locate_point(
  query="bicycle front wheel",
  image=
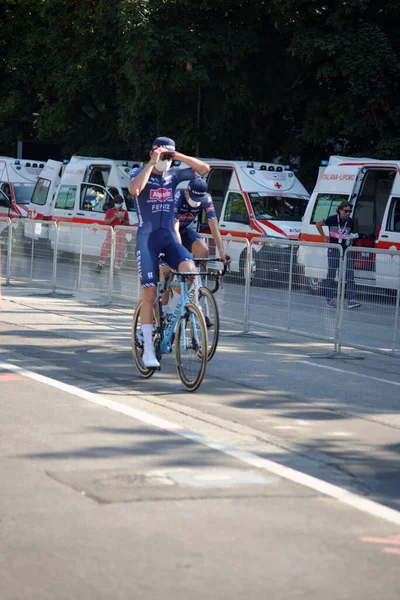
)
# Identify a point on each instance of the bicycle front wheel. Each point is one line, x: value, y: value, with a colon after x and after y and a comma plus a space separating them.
x: 191, y: 347
x: 138, y: 341
x: 209, y: 308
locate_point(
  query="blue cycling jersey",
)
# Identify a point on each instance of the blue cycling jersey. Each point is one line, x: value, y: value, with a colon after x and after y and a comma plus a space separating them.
x: 155, y: 203
x: 186, y: 214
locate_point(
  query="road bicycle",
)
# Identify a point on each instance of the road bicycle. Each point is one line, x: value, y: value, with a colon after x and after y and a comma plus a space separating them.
x: 186, y: 329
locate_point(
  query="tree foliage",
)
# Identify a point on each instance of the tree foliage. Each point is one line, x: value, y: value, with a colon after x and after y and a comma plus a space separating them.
x: 239, y: 79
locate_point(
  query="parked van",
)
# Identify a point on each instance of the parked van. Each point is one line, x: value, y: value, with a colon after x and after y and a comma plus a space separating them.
x: 373, y: 187
x: 80, y: 192
x: 17, y: 181
x: 255, y: 199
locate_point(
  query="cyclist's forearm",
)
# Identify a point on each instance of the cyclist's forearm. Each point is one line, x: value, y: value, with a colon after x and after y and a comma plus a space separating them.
x: 217, y: 237
x: 194, y: 163
x: 139, y: 182
x: 178, y: 233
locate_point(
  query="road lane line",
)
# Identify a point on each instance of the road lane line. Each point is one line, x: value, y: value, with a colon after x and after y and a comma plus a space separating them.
x: 323, y: 487
x: 308, y: 362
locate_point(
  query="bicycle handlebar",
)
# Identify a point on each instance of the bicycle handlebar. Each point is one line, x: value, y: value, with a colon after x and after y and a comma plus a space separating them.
x: 184, y: 274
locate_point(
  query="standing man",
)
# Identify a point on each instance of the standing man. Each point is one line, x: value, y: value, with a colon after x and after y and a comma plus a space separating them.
x: 341, y: 228
x: 154, y: 187
x: 116, y: 215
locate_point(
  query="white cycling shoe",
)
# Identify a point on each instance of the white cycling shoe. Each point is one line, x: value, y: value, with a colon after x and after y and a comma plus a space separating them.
x: 149, y: 358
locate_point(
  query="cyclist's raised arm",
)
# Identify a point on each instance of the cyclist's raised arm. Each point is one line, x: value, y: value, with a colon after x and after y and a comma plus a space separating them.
x: 194, y: 163
x: 139, y: 181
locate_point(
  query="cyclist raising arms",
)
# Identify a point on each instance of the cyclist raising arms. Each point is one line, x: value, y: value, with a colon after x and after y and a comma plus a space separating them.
x: 154, y: 188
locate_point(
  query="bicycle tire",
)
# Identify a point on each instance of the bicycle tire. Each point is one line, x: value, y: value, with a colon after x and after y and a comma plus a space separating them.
x: 196, y: 351
x: 211, y: 311
x: 138, y: 344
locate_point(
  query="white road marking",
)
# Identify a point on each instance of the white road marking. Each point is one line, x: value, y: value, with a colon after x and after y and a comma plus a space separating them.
x: 340, y: 433
x: 286, y: 427
x: 323, y: 487
x: 308, y: 362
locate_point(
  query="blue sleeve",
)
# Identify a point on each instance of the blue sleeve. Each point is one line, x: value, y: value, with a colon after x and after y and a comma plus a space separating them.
x: 177, y: 204
x: 184, y: 174
x: 136, y: 172
x: 210, y: 210
x: 332, y: 220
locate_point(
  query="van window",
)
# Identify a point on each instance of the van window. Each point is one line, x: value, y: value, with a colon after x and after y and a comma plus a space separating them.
x: 278, y: 208
x: 66, y: 197
x: 5, y: 188
x: 372, y: 200
x: 23, y: 192
x: 99, y: 174
x: 394, y: 216
x: 218, y: 182
x: 236, y: 209
x: 327, y: 205
x: 129, y: 200
x: 95, y: 198
x: 41, y: 191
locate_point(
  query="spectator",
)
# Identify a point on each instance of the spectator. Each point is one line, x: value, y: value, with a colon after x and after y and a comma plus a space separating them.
x: 341, y: 228
x: 116, y: 215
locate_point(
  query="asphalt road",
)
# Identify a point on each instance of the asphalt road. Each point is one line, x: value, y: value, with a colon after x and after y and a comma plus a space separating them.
x: 278, y: 478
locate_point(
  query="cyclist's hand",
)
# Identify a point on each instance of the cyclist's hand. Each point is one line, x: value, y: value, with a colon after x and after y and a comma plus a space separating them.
x: 157, y: 153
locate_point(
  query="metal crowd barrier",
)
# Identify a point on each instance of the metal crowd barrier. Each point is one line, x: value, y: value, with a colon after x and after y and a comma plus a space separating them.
x: 273, y: 284
x: 376, y: 325
x: 233, y: 296
x: 5, y: 248
x: 283, y: 297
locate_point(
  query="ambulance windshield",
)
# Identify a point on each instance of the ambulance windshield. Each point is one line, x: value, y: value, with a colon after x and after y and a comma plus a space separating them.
x: 23, y: 192
x: 277, y: 208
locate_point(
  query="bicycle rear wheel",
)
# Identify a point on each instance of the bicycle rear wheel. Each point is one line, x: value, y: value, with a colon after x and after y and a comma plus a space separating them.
x: 191, y: 347
x: 138, y: 342
x: 209, y: 308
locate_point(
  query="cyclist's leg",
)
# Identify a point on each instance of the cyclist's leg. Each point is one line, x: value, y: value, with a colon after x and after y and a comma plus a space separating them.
x: 147, y: 258
x: 198, y: 246
x: 164, y: 268
x: 180, y: 259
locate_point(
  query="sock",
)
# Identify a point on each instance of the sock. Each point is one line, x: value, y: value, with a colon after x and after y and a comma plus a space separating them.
x: 148, y: 335
x: 171, y: 307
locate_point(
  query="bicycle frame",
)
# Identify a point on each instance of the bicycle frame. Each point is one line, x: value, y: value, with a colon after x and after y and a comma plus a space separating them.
x: 167, y: 335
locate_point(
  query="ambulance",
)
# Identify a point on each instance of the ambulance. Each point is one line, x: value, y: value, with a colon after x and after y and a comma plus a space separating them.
x: 373, y: 187
x: 80, y: 191
x: 17, y: 181
x: 255, y: 199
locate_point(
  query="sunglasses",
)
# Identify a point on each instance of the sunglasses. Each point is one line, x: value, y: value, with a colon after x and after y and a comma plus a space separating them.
x: 167, y: 157
x: 347, y: 211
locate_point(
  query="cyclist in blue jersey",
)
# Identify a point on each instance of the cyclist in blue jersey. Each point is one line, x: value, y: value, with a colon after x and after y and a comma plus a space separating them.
x: 154, y: 187
x: 188, y: 204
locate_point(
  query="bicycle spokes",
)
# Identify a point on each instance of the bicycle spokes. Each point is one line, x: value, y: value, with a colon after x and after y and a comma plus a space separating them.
x: 191, y: 348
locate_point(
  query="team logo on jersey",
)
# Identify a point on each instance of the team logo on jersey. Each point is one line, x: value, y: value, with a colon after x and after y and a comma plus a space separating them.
x: 162, y: 194
x: 186, y: 217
